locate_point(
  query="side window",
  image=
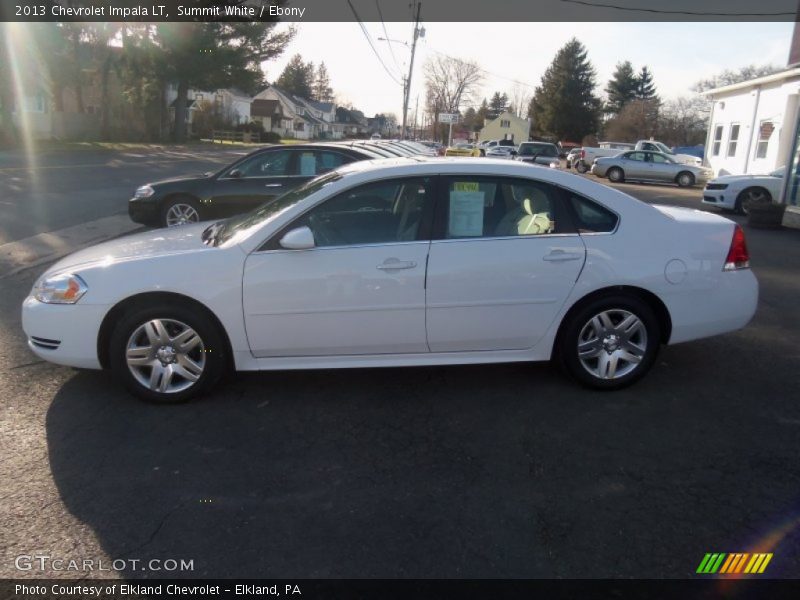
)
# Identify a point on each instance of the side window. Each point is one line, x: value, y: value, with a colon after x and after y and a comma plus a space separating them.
x: 488, y: 207
x: 590, y: 216
x: 376, y: 213
x: 660, y: 158
x: 317, y: 162
x: 266, y: 164
x: 640, y: 156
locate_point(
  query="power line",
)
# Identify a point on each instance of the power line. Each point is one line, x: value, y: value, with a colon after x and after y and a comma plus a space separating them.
x: 677, y: 12
x: 371, y: 45
x: 383, y: 24
x: 488, y: 72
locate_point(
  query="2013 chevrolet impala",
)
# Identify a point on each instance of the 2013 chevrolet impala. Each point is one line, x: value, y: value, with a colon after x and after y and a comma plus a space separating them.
x: 400, y: 262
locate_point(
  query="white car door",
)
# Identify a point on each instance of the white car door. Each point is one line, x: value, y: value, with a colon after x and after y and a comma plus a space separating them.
x: 503, y: 260
x: 360, y: 290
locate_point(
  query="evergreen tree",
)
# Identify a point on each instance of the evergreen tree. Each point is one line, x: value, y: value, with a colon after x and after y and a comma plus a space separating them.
x: 622, y: 87
x: 645, y: 88
x: 498, y: 104
x: 482, y: 114
x: 297, y: 77
x: 323, y: 92
x: 564, y: 105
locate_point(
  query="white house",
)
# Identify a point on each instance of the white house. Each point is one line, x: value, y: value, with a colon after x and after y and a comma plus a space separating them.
x: 753, y: 123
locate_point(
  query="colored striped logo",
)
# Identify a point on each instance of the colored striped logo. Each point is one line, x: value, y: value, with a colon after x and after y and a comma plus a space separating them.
x: 728, y: 564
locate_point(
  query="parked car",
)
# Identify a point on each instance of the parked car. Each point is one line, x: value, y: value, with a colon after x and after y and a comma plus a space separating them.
x: 734, y: 192
x: 241, y: 186
x: 462, y: 150
x: 606, y: 149
x: 540, y: 153
x: 566, y: 147
x: 649, y: 166
x: 502, y: 152
x: 572, y: 156
x: 400, y: 262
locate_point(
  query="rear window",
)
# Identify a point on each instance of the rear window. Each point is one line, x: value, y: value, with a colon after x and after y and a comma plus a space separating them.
x: 591, y: 217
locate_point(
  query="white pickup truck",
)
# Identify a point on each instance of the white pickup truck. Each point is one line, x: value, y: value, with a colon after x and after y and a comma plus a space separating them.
x: 587, y: 155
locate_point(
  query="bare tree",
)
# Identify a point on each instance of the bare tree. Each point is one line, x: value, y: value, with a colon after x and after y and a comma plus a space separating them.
x: 520, y: 99
x: 451, y: 83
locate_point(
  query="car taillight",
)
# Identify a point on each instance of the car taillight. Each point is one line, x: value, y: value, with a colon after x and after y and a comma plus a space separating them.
x: 738, y: 256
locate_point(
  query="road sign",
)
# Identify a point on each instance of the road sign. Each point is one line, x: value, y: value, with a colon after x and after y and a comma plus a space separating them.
x: 448, y: 118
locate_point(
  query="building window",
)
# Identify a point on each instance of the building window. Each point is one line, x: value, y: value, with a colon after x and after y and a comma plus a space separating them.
x: 764, y: 133
x: 717, y: 141
x: 733, y: 139
x: 505, y: 123
x: 299, y: 126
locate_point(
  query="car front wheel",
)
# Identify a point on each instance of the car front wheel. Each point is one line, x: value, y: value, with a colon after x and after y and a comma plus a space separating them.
x: 610, y: 343
x: 685, y: 179
x: 179, y: 211
x: 753, y: 195
x: 581, y: 167
x: 167, y: 354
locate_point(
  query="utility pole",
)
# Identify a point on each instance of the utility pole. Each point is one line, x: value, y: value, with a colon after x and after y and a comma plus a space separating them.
x: 407, y: 82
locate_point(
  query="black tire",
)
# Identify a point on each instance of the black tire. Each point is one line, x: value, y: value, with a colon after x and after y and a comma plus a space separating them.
x: 211, y: 351
x: 579, y: 321
x: 749, y: 195
x: 174, y: 202
x: 581, y: 167
x: 616, y: 175
x: 685, y: 179
x: 483, y: 152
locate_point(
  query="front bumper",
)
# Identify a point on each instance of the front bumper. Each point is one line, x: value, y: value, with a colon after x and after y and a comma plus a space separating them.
x: 720, y: 198
x: 143, y: 210
x: 65, y: 334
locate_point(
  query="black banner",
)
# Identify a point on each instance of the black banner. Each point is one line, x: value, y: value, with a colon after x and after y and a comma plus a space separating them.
x: 405, y: 589
x: 368, y: 10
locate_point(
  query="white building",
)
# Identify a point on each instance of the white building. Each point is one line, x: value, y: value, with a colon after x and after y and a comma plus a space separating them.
x: 753, y: 123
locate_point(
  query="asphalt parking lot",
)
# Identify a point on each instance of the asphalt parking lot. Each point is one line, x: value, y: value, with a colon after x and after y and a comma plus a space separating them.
x: 501, y: 471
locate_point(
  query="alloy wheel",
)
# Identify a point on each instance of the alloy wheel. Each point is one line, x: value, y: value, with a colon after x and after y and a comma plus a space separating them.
x: 753, y: 196
x: 165, y: 355
x: 612, y: 344
x: 180, y: 214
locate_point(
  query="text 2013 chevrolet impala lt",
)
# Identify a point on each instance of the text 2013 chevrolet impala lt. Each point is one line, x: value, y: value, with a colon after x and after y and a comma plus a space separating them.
x: 400, y: 262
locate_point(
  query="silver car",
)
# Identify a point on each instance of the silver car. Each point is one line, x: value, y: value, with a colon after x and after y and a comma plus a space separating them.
x: 643, y: 165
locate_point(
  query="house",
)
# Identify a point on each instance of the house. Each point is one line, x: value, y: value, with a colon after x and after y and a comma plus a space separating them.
x: 507, y: 126
x: 304, y: 119
x: 269, y: 113
x: 231, y: 104
x: 752, y: 124
x: 353, y: 122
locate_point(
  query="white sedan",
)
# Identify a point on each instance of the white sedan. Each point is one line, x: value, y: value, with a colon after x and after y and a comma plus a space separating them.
x: 735, y: 192
x: 501, y: 152
x: 400, y: 262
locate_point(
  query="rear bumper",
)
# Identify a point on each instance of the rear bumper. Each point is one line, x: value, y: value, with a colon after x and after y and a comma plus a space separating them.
x: 65, y: 334
x: 726, y: 307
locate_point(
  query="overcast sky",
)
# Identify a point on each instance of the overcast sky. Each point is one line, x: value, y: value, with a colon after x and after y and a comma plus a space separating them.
x: 678, y: 54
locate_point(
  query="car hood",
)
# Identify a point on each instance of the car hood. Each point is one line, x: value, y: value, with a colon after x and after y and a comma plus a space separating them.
x: 179, y: 179
x: 735, y: 178
x: 158, y: 242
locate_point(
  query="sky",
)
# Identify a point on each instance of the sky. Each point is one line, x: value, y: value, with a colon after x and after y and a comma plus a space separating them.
x: 517, y: 54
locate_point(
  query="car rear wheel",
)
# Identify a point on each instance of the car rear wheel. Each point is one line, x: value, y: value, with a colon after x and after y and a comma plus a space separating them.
x: 581, y: 167
x: 179, y: 210
x: 616, y: 175
x: 610, y: 343
x: 167, y: 354
x: 754, y: 195
x: 685, y: 179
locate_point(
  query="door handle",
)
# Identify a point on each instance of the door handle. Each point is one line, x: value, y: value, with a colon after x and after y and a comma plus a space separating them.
x: 561, y: 256
x: 275, y: 185
x: 392, y: 264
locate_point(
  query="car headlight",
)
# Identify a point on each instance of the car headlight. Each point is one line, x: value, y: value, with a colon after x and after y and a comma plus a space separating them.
x: 144, y: 191
x: 60, y: 289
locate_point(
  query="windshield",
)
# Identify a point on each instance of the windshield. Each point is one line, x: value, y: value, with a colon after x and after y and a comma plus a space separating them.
x: 663, y: 148
x: 271, y: 209
x: 540, y: 149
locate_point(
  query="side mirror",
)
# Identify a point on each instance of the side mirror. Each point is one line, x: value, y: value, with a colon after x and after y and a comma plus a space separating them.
x: 235, y: 174
x: 513, y: 153
x: 300, y: 238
